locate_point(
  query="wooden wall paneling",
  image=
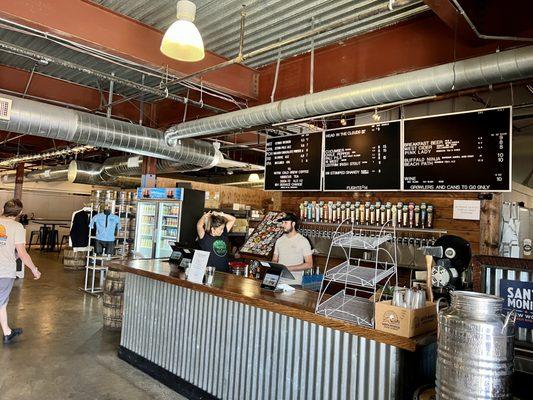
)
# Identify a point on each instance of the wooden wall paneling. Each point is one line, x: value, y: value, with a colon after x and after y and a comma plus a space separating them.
x: 442, y: 202
x: 231, y: 194
x: 489, y: 232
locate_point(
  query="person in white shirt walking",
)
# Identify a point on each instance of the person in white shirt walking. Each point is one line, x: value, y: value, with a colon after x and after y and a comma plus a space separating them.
x: 12, y: 238
x: 293, y: 250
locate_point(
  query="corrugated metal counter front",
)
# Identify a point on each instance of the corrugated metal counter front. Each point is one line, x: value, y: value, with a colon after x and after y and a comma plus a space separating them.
x: 235, y: 341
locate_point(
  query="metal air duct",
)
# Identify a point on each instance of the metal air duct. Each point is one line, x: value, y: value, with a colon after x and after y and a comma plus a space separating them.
x: 53, y: 122
x: 84, y: 173
x: 52, y: 174
x: 499, y: 67
x: 89, y: 173
x: 117, y: 170
x: 128, y: 166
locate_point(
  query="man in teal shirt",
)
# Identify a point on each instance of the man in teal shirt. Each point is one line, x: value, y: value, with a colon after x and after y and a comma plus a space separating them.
x: 106, y: 226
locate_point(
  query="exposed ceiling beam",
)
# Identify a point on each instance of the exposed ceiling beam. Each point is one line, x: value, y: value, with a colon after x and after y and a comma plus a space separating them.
x: 447, y: 12
x: 124, y: 37
x: 477, y: 21
x: 58, y: 90
x: 415, y: 44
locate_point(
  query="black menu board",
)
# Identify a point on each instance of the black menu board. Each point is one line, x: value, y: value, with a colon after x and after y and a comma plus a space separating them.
x: 458, y: 152
x: 294, y: 162
x: 363, y: 158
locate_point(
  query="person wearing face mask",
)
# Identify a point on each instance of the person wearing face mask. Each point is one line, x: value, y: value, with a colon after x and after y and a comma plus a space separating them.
x: 107, y: 225
x: 293, y: 250
x: 215, y: 240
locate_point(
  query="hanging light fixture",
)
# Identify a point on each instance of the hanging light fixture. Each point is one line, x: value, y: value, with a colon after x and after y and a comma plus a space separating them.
x: 376, y: 117
x: 254, y: 178
x: 343, y: 120
x: 182, y: 40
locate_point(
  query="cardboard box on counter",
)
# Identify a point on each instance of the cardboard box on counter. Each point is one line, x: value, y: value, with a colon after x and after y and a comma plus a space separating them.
x: 404, y: 321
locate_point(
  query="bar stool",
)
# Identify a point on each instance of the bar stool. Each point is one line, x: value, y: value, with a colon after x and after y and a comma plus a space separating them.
x: 64, y: 240
x: 52, y: 239
x: 36, y: 234
x: 43, y: 236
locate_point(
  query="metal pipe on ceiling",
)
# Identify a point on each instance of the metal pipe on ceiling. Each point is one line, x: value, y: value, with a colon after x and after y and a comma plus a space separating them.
x: 107, y: 57
x: 52, y: 122
x: 480, y: 35
x: 490, y: 69
x: 242, y: 57
x: 109, y: 77
x: 241, y: 36
x: 44, y: 155
x: 294, y: 39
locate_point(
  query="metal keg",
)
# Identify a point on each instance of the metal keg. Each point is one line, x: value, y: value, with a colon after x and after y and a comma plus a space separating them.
x: 131, y: 197
x: 122, y: 198
x: 475, y: 348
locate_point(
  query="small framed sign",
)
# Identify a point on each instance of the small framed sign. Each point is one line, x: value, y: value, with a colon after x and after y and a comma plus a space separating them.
x: 467, y: 209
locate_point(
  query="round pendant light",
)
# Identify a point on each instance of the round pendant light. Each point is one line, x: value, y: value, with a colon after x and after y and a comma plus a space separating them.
x: 182, y: 40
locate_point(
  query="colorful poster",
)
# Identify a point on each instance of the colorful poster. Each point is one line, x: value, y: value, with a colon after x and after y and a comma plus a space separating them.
x: 518, y: 296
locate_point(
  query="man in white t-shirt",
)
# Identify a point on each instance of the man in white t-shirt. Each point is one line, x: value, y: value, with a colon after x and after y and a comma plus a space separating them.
x: 12, y: 238
x: 293, y: 250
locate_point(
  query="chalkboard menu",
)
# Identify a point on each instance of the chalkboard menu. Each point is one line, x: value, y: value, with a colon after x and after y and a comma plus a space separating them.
x: 294, y: 162
x: 458, y: 152
x: 363, y: 158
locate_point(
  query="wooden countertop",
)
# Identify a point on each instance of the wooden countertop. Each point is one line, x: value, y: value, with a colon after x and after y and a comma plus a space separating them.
x: 298, y: 304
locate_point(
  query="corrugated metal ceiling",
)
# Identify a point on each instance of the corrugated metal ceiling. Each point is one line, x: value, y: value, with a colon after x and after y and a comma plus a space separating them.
x: 267, y: 21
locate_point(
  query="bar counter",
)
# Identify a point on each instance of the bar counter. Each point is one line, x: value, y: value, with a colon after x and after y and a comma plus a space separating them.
x: 234, y: 340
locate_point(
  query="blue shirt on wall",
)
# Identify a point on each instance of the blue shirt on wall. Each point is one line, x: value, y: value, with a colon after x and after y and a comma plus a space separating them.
x: 105, y: 226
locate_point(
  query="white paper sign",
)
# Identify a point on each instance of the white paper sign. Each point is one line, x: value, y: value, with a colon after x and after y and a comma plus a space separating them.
x: 196, y: 270
x: 134, y: 162
x: 467, y: 209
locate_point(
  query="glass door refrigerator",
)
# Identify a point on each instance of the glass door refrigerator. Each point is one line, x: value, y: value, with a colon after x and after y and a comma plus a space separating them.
x: 165, y: 216
x: 145, y: 229
x: 168, y: 222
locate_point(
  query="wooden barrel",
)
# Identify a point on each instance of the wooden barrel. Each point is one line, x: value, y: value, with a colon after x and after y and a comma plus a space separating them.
x: 113, y: 298
x: 74, y: 260
x: 114, y: 280
x: 113, y: 313
x: 74, y: 255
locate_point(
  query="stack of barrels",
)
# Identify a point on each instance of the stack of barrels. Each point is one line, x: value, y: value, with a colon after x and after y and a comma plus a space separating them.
x: 74, y: 260
x: 113, y: 297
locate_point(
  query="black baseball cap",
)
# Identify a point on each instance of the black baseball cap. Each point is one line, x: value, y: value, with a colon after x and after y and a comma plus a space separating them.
x: 289, y: 217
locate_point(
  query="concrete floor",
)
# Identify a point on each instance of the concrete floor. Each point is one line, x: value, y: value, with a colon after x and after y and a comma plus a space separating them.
x: 64, y: 352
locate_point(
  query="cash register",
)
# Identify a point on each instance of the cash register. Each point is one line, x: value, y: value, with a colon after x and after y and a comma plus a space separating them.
x: 181, y: 256
x: 273, y: 275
